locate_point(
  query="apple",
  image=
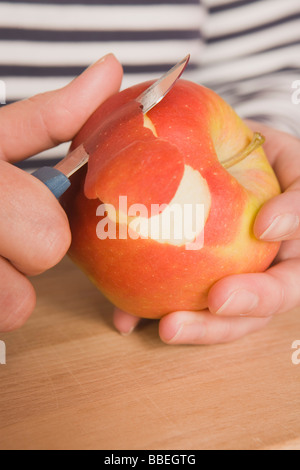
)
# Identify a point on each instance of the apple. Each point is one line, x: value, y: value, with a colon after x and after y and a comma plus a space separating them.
x: 190, y: 151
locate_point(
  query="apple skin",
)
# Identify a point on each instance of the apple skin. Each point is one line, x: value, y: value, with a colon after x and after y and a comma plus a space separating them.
x: 194, y: 127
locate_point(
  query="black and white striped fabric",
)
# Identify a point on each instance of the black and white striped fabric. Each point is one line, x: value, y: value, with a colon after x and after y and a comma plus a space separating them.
x: 246, y: 50
x: 252, y: 58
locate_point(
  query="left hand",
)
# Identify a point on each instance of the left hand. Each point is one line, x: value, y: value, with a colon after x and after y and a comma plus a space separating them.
x: 241, y: 304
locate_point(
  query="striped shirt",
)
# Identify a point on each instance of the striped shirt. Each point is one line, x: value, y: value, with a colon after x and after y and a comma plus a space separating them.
x: 246, y: 50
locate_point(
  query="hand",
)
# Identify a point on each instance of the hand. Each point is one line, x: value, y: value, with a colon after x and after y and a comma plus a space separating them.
x: 241, y: 304
x: 34, y: 230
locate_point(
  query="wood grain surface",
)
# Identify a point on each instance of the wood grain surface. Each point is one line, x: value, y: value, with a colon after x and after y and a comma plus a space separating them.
x: 72, y: 382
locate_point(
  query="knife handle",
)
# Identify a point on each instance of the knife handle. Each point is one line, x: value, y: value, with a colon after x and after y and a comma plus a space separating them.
x: 56, y: 181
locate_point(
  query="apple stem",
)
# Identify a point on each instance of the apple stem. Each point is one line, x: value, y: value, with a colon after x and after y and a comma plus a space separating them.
x: 257, y: 141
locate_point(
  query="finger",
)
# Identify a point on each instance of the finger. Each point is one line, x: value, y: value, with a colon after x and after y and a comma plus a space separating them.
x: 44, y: 121
x: 204, y: 328
x: 279, y: 218
x: 124, y: 322
x: 34, y: 229
x: 258, y: 295
x: 288, y: 250
x: 17, y: 297
x: 283, y: 152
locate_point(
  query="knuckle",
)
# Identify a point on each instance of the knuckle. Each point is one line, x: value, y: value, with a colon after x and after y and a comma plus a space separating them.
x: 225, y: 333
x: 50, y: 116
x: 42, y: 118
x: 54, y: 241
x: 17, y: 306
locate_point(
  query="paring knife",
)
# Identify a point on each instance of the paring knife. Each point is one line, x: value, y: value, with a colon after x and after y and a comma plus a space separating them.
x: 57, y: 178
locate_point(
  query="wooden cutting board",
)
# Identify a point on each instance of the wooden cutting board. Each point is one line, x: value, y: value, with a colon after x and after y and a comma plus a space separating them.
x: 72, y: 382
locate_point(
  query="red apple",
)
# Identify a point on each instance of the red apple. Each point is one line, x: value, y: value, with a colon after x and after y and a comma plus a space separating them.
x: 193, y: 149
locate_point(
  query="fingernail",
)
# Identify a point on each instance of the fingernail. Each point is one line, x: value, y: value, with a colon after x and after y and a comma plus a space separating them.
x: 174, y: 337
x: 103, y: 59
x: 241, y: 302
x: 187, y: 333
x: 127, y: 333
x: 281, y: 227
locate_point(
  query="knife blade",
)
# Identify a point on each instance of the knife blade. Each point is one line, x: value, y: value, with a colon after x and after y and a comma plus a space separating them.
x: 156, y: 92
x: 57, y: 178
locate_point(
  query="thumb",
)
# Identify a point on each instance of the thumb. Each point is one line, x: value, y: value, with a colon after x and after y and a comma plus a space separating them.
x: 279, y: 218
x: 46, y: 120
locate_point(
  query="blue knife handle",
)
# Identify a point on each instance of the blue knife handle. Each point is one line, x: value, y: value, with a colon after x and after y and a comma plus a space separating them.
x: 56, y: 181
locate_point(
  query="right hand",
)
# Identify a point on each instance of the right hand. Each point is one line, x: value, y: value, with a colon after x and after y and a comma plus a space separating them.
x: 34, y: 229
